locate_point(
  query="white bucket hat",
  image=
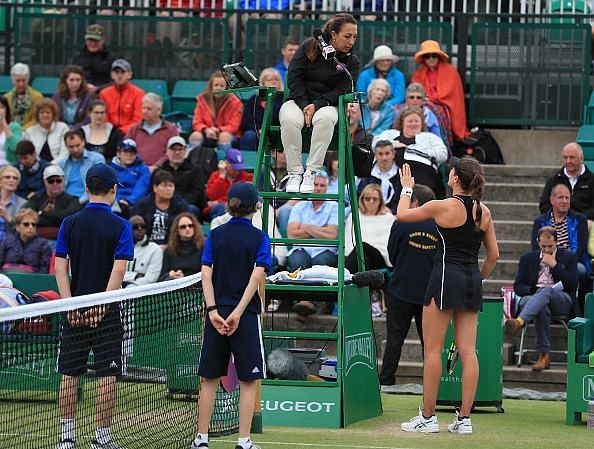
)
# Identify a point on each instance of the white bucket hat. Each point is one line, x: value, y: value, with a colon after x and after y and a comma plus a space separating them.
x: 382, y: 52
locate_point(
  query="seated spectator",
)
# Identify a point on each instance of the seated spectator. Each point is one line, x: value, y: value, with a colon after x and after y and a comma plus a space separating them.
x: 148, y: 257
x: 382, y: 67
x: 95, y: 59
x: 31, y: 170
x: 160, y: 208
x: 100, y: 135
x: 385, y: 173
x: 216, y: 117
x: 133, y: 175
x: 25, y: 251
x: 48, y: 134
x: 73, y: 97
x: 378, y: 115
x: 10, y: 134
x: 358, y: 134
x: 332, y: 171
x: 22, y: 98
x: 230, y: 171
x: 183, y: 255
x: 189, y: 183
x: 123, y: 99
x: 288, y: 50
x: 77, y: 164
x: 443, y: 85
x: 153, y: 132
x: 547, y: 281
x: 572, y: 234
x: 577, y: 177
x: 415, y: 99
x: 253, y: 113
x: 205, y: 158
x: 53, y: 204
x: 10, y: 203
x: 375, y: 222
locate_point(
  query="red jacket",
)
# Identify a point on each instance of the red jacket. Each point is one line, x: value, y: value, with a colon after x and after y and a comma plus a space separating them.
x: 124, y: 105
x: 228, y: 119
x: 217, y: 187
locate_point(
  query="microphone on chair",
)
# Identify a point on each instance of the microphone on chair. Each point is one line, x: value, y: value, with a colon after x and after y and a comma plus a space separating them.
x: 328, y: 51
x: 372, y: 279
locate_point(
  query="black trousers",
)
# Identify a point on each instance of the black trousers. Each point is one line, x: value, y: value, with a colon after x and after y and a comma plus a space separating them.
x: 371, y: 255
x: 398, y: 319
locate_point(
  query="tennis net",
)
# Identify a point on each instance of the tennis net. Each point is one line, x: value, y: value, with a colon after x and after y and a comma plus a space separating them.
x: 148, y: 338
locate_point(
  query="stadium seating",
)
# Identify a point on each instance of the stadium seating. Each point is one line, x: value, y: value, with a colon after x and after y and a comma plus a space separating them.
x: 183, y: 97
x: 5, y: 83
x: 158, y: 87
x: 47, y: 85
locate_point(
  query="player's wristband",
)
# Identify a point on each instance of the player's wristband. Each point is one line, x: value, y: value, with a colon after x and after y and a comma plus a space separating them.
x: 406, y: 191
x: 211, y: 308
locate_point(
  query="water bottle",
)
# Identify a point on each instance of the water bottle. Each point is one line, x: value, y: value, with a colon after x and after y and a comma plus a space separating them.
x: 591, y: 413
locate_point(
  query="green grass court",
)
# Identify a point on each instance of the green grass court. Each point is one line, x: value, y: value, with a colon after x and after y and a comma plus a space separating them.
x: 151, y: 421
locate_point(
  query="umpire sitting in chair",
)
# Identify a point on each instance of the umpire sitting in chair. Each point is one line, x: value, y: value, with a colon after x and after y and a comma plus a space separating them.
x: 547, y: 281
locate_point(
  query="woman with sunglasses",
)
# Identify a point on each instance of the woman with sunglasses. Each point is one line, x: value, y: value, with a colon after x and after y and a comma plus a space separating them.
x: 183, y: 255
x: 10, y: 203
x: 443, y: 84
x: 25, y: 252
x: 415, y: 99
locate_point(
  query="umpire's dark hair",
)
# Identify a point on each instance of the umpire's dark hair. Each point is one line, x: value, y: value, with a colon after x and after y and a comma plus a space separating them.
x: 25, y: 148
x: 422, y: 194
x: 163, y: 176
x: 547, y: 230
x: 94, y: 189
x: 74, y: 132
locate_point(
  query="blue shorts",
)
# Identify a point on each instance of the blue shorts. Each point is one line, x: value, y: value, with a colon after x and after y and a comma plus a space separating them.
x: 105, y: 341
x: 245, y: 344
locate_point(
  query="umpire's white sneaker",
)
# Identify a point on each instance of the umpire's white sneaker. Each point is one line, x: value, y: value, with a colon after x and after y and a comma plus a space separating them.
x: 421, y: 424
x: 461, y: 426
x: 309, y: 179
x: 293, y: 184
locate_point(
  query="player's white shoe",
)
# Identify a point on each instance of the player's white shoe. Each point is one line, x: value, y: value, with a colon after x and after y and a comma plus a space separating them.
x: 253, y: 446
x: 109, y: 445
x: 309, y: 179
x: 66, y: 444
x: 199, y: 444
x: 421, y: 424
x: 461, y: 426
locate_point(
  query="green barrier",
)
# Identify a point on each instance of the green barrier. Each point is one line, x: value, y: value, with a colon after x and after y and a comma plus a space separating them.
x: 489, y: 343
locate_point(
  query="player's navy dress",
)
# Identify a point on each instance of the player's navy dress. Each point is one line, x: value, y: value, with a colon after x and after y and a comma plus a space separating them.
x: 456, y: 281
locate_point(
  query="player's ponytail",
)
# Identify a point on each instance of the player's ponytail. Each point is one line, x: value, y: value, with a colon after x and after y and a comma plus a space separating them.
x: 473, y: 182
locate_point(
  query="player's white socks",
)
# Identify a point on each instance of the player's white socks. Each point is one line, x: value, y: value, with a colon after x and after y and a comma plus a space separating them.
x: 102, y: 435
x: 245, y: 443
x: 67, y: 432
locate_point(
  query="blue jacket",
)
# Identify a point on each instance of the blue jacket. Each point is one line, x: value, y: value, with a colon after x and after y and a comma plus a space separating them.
x: 31, y: 178
x: 395, y: 79
x: 577, y: 229
x: 135, y: 179
x: 384, y: 122
x: 89, y: 159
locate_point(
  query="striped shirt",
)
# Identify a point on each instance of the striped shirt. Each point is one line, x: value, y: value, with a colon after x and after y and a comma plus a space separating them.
x: 561, y: 229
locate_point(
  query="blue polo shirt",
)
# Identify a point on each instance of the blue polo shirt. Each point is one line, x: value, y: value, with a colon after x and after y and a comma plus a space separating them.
x: 327, y: 214
x: 233, y: 250
x: 92, y: 239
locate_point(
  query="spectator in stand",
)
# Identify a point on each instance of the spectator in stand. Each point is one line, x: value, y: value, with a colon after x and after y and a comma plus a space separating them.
x: 22, y: 98
x: 48, y: 134
x: 53, y: 204
x: 385, y: 173
x: 148, y: 257
x: 30, y: 168
x: 382, y: 67
x: 153, y: 132
x: 356, y: 130
x: 572, y: 234
x: 10, y: 134
x: 100, y: 135
x: 415, y: 99
x: 216, y: 117
x: 375, y: 221
x: 183, y: 255
x: 411, y: 247
x: 25, y: 251
x: 133, y: 175
x: 73, y: 97
x: 253, y: 113
x: 378, y: 115
x: 10, y: 203
x: 442, y: 84
x: 77, y: 164
x: 230, y: 171
x: 95, y: 59
x: 288, y: 50
x: 160, y: 208
x: 123, y: 99
x: 189, y: 183
x: 577, y: 177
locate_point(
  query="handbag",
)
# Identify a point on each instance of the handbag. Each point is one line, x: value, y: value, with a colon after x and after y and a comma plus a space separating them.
x: 362, y: 159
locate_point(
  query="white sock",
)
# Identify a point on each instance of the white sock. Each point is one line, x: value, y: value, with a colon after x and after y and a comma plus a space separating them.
x: 67, y: 430
x: 102, y: 435
x: 245, y: 443
x: 201, y: 438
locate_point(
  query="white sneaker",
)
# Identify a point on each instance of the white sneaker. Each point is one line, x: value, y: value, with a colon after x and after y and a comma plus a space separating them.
x: 273, y: 306
x: 421, y: 424
x: 66, y: 444
x: 293, y: 184
x: 307, y: 185
x: 461, y: 426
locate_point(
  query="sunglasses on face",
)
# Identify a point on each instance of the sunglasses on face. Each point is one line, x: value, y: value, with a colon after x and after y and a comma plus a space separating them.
x: 431, y: 55
x: 186, y: 226
x: 29, y: 224
x: 371, y: 198
x: 415, y: 97
x: 139, y: 226
x: 54, y: 180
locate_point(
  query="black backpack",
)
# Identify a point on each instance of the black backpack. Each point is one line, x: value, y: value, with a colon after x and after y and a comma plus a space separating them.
x: 489, y: 145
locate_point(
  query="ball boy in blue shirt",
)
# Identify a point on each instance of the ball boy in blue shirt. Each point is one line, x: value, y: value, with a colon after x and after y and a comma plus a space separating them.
x: 234, y: 260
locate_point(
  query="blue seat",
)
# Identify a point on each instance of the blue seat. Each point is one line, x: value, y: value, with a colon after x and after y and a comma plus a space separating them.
x: 183, y: 97
x: 5, y: 84
x: 157, y: 87
x: 47, y: 85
